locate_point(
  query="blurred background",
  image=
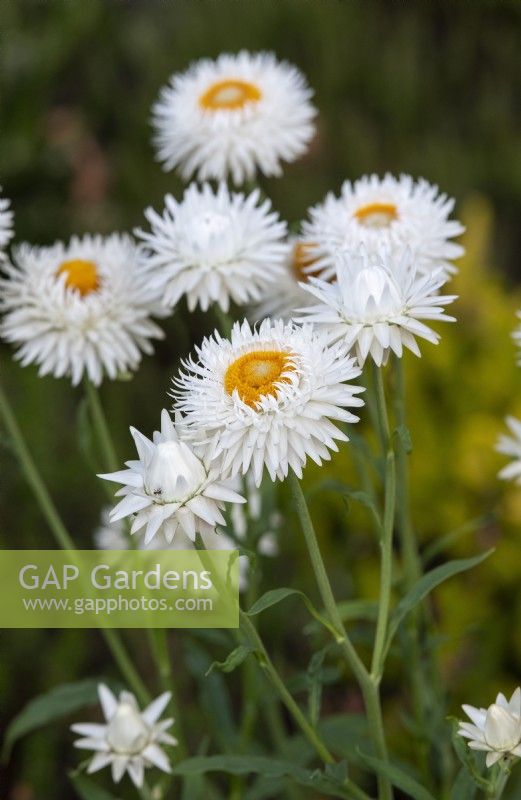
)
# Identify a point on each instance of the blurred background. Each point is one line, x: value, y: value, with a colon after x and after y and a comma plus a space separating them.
x: 427, y: 89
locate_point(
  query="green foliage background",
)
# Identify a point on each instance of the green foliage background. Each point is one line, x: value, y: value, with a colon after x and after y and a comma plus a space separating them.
x: 425, y: 88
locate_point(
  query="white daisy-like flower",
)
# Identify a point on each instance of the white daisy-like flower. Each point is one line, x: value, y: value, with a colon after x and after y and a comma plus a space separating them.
x: 6, y: 224
x: 496, y: 730
x: 79, y: 309
x: 214, y: 247
x: 511, y: 446
x: 169, y: 488
x: 376, y: 304
x: 390, y: 212
x: 233, y: 116
x: 282, y: 298
x: 266, y: 397
x: 129, y: 740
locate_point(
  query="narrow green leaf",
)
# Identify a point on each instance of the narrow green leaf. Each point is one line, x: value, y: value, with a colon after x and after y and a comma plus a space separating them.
x: 314, y: 678
x: 88, y: 790
x: 233, y: 660
x: 275, y: 596
x: 267, y: 767
x: 464, y: 787
x: 426, y: 584
x: 402, y: 780
x: 48, y: 707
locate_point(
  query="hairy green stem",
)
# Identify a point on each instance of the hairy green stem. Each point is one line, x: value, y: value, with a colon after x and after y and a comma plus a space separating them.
x: 250, y: 632
x: 368, y: 684
x: 412, y: 568
x: 63, y: 537
x: 386, y: 541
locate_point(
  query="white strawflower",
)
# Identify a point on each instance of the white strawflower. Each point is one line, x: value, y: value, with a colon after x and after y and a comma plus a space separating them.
x: 496, y: 730
x: 390, y: 212
x: 511, y: 446
x: 376, y: 304
x: 214, y: 247
x: 130, y: 739
x: 232, y: 117
x: 170, y: 488
x: 6, y: 224
x: 79, y: 309
x: 284, y: 297
x: 267, y: 397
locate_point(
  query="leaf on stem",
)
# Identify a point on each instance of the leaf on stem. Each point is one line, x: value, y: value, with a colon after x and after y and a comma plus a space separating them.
x: 88, y: 790
x: 233, y: 660
x: 328, y: 783
x: 402, y: 780
x: 48, y: 707
x: 426, y: 584
x: 275, y: 596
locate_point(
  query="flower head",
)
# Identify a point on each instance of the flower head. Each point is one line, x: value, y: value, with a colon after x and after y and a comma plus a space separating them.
x: 376, y: 304
x: 282, y: 298
x: 213, y: 247
x: 6, y: 225
x: 389, y: 212
x: 169, y: 488
x: 496, y: 730
x: 511, y: 446
x: 130, y: 739
x: 79, y: 309
x: 232, y: 117
x: 266, y: 397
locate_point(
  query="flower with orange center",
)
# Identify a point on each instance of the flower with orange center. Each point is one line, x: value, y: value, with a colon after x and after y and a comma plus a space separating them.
x: 233, y: 117
x: 80, y: 274
x: 81, y: 308
x: 258, y: 374
x: 268, y: 397
x: 229, y: 94
x: 386, y: 213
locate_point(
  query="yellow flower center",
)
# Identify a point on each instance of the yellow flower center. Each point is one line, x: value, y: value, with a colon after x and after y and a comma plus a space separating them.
x: 258, y: 374
x: 377, y: 215
x: 302, y: 259
x: 80, y: 274
x: 230, y: 94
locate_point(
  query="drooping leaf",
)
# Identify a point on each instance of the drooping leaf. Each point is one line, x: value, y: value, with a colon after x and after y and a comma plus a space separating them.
x: 426, y: 584
x: 48, y: 707
x: 275, y: 596
x: 402, y: 780
x: 233, y: 660
x: 328, y: 784
x: 88, y: 790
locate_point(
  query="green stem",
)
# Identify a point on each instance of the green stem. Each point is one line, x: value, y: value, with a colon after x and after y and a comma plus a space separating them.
x: 159, y: 643
x: 501, y: 783
x: 412, y: 568
x: 367, y: 683
x: 62, y: 536
x: 224, y: 320
x: 101, y: 427
x: 250, y: 632
x: 409, y: 548
x: 386, y: 541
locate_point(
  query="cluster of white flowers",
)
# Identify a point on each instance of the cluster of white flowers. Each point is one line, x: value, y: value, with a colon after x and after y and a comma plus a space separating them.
x: 357, y: 282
